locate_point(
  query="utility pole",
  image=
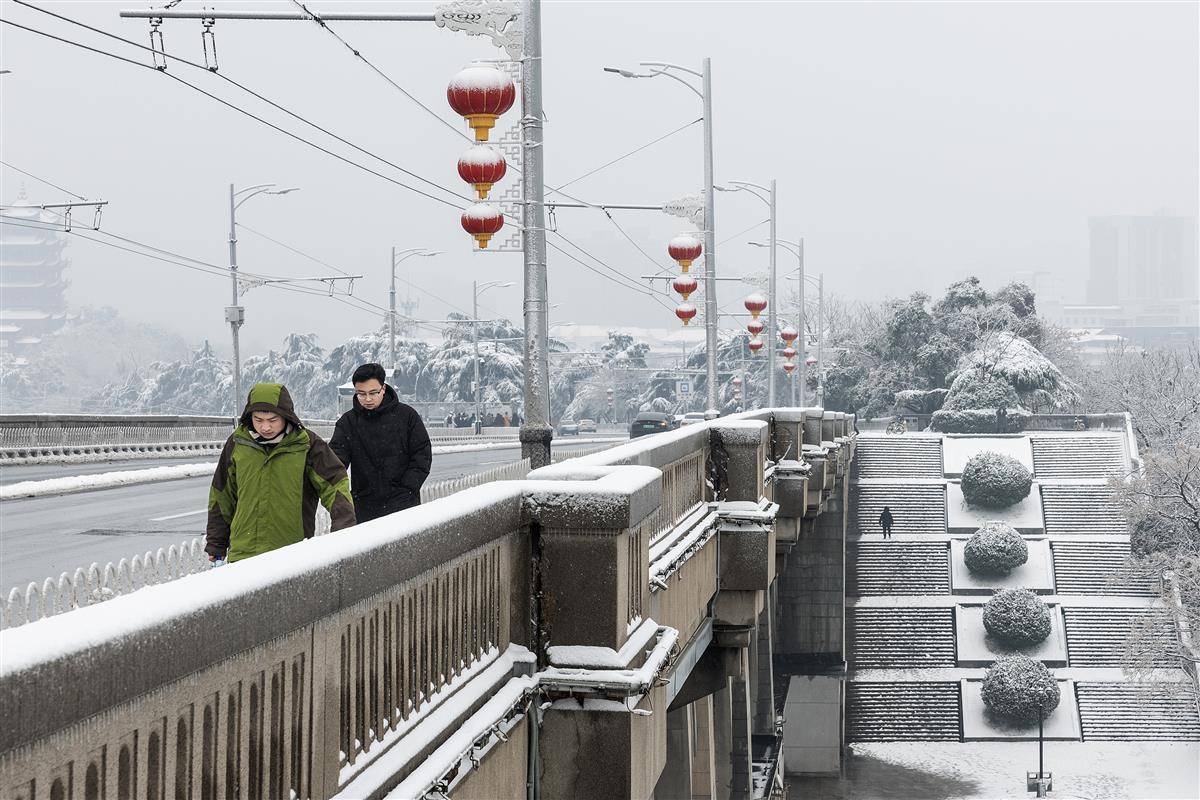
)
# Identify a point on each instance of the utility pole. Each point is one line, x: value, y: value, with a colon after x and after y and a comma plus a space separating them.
x: 392, y: 311
x: 475, y: 346
x: 536, y: 431
x: 821, y: 341
x: 710, y: 248
x: 803, y: 334
x: 772, y: 328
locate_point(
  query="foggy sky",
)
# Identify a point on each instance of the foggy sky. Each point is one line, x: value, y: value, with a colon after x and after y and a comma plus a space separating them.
x: 911, y: 142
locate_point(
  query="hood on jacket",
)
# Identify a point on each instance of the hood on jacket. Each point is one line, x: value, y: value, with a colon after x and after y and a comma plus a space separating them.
x: 271, y: 397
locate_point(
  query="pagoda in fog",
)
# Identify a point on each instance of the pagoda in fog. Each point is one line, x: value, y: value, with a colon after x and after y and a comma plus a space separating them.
x: 33, y: 300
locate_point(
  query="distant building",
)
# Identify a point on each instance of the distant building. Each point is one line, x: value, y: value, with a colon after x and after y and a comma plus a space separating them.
x: 33, y: 301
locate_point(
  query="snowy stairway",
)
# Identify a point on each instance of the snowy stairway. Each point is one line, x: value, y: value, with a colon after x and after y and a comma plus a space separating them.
x: 1075, y: 509
x: 900, y: 638
x: 1132, y: 712
x: 1096, y: 636
x: 1096, y: 568
x: 891, y: 712
x: 1082, y: 456
x: 898, y: 457
x: 916, y: 507
x: 898, y: 568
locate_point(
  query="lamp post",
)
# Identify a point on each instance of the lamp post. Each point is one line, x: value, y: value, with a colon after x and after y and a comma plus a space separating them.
x: 477, y: 290
x: 235, y: 314
x: 661, y: 68
x: 797, y: 249
x: 758, y: 191
x: 409, y: 253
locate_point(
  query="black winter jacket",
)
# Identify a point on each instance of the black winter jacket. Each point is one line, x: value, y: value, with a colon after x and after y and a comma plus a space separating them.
x: 388, y: 452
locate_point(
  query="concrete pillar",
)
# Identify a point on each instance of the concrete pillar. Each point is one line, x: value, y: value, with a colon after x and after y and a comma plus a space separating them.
x: 812, y: 595
x: 739, y: 452
x: 722, y: 701
x: 741, y: 710
x: 675, y: 783
x: 764, y: 672
x: 703, y: 767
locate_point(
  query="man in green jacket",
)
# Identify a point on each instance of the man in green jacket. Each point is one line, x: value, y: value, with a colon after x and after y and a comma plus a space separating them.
x: 270, y: 477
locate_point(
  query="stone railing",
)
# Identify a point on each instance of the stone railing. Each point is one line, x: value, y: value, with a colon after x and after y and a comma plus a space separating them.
x: 422, y: 653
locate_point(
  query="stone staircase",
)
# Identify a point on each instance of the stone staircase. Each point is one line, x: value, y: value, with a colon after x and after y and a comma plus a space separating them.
x: 1096, y: 636
x: 1096, y: 568
x: 898, y: 457
x: 1133, y: 712
x: 900, y: 638
x: 1099, y: 455
x: 898, y: 568
x: 1080, y: 509
x: 892, y: 712
x: 918, y: 508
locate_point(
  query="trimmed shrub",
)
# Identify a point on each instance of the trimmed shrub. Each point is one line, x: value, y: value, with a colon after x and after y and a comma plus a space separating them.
x: 1017, y: 617
x: 978, y: 421
x: 993, y: 480
x: 1018, y: 688
x: 995, y: 549
x: 980, y: 389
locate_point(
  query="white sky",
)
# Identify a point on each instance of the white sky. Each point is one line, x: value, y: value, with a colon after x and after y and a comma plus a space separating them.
x: 911, y: 142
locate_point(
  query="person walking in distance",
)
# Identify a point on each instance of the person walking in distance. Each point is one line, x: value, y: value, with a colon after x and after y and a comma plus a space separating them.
x: 885, y: 522
x: 385, y: 445
x: 271, y: 474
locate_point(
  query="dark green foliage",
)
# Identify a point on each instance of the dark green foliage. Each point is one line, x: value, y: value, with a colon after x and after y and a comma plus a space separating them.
x: 1019, y: 689
x: 1017, y: 617
x: 993, y: 480
x: 978, y: 421
x: 976, y: 389
x: 995, y: 549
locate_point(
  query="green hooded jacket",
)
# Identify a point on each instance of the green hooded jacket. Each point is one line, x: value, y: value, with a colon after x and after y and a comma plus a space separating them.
x: 264, y: 496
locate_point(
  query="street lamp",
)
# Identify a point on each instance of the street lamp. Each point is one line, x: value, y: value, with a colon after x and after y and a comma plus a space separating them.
x: 797, y: 249
x: 409, y: 253
x: 235, y: 314
x: 478, y: 290
x: 768, y: 196
x: 663, y: 69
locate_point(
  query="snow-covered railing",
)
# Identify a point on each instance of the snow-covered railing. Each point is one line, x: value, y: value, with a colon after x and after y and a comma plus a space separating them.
x: 95, y: 583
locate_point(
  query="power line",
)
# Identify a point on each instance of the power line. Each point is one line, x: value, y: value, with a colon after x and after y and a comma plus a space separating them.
x: 743, y: 233
x: 243, y: 111
x: 649, y: 258
x: 288, y: 247
x: 607, y: 164
x: 42, y: 180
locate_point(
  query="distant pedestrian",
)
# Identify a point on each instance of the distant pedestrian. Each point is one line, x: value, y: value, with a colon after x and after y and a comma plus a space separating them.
x: 1001, y: 419
x: 385, y: 445
x: 271, y: 474
x: 886, y: 521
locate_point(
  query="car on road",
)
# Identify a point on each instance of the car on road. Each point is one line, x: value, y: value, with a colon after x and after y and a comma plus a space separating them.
x: 692, y: 417
x: 568, y: 427
x: 587, y: 426
x: 649, y: 422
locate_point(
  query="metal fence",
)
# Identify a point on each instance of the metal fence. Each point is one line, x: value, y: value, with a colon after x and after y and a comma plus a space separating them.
x: 95, y: 584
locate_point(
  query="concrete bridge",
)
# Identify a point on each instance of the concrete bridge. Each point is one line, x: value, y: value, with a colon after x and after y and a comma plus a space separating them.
x: 628, y: 624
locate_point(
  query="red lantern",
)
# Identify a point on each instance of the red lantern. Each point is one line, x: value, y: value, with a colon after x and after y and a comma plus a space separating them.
x: 736, y: 382
x: 685, y: 249
x: 755, y: 327
x: 755, y: 345
x: 481, y: 221
x: 685, y: 285
x: 810, y: 361
x: 481, y: 93
x: 788, y: 352
x: 788, y: 367
x: 789, y: 334
x: 685, y: 312
x: 481, y: 167
x: 756, y: 304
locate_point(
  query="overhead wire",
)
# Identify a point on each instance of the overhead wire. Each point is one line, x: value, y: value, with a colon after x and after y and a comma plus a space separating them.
x: 42, y: 180
x: 618, y: 159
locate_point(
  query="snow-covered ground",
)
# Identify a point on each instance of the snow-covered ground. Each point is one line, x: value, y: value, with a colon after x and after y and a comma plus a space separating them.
x: 985, y: 770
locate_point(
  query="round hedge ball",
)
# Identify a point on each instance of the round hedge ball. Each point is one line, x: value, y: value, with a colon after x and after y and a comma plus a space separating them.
x: 993, y: 480
x: 1017, y: 688
x: 995, y: 549
x: 1017, y: 617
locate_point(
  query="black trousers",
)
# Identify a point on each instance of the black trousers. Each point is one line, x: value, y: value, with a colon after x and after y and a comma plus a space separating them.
x: 365, y: 511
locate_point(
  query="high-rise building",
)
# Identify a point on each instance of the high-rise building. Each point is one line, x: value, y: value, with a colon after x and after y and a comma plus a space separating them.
x: 33, y: 301
x: 1142, y: 260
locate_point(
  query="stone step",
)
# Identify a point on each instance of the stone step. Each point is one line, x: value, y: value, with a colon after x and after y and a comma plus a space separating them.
x: 916, y: 508
x: 900, y: 638
x: 898, y: 457
x: 1081, y: 510
x: 1081, y: 456
x: 1096, y: 568
x: 898, y: 568
x: 1135, y: 712
x: 1096, y: 637
x: 892, y: 712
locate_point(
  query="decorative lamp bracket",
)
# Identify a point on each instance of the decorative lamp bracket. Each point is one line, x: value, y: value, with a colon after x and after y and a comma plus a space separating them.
x: 690, y: 207
x: 496, y: 19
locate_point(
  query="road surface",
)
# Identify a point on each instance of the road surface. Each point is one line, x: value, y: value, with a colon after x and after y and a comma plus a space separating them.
x: 45, y: 536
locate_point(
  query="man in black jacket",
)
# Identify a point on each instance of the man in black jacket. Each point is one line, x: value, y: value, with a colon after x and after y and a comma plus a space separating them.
x: 384, y: 444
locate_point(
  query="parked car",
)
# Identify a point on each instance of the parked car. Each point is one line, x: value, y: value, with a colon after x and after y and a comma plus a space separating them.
x: 692, y: 417
x: 649, y: 422
x: 587, y: 426
x: 568, y: 427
